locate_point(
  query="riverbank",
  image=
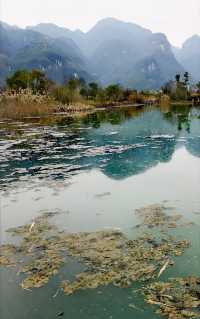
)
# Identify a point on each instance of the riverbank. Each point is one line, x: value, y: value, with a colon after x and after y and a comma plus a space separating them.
x: 18, y: 106
x: 22, y: 105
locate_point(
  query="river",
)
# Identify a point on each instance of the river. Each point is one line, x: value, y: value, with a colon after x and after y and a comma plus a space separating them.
x: 96, y: 170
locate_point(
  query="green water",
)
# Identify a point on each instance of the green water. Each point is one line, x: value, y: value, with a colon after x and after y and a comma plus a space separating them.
x: 97, y: 170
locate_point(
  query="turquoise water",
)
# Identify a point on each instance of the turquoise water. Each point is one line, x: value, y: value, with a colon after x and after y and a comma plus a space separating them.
x: 96, y: 171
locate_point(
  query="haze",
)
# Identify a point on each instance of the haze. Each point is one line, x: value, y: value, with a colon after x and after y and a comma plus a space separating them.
x: 178, y: 19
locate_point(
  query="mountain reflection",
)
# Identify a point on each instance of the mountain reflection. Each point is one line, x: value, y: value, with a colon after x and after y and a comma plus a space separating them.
x: 120, y: 143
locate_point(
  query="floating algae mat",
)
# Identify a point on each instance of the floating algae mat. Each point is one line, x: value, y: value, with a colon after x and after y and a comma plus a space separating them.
x: 178, y: 298
x: 155, y: 216
x: 109, y: 256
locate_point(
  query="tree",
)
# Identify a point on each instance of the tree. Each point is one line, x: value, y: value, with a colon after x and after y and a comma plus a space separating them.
x: 114, y: 92
x: 186, y: 83
x: 177, y: 77
x: 19, y: 80
x: 84, y: 92
x: 127, y: 93
x: 186, y: 78
x: 39, y: 82
x: 180, y: 92
x: 93, y: 89
x: 34, y: 80
x: 168, y: 88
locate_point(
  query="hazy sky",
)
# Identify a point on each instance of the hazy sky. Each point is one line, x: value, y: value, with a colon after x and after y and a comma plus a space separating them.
x: 178, y: 19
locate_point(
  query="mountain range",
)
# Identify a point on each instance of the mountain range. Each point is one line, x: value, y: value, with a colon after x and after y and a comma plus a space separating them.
x: 189, y: 56
x: 59, y: 58
x: 113, y: 51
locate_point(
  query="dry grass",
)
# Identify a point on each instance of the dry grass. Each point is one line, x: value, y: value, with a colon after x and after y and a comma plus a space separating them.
x: 24, y: 104
x: 18, y: 105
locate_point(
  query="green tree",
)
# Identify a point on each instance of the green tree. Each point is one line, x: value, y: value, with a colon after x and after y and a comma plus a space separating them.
x: 114, y: 92
x: 19, y: 80
x: 84, y: 92
x: 34, y: 80
x: 93, y: 89
x: 39, y: 82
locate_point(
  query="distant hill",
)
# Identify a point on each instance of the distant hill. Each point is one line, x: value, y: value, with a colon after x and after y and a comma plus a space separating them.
x: 59, y: 58
x: 51, y: 30
x: 113, y: 51
x: 54, y: 31
x: 123, y: 53
x: 132, y: 55
x: 189, y: 56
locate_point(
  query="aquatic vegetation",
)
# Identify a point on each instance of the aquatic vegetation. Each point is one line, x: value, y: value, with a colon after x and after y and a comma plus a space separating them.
x: 6, y: 253
x: 112, y: 258
x: 109, y: 256
x: 37, y: 255
x: 177, y: 299
x: 155, y: 216
x: 41, y: 269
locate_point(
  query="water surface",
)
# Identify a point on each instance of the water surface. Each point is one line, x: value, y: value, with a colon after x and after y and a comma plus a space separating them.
x: 96, y: 171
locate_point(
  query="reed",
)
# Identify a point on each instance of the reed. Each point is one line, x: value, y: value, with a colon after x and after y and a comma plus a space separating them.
x: 17, y: 105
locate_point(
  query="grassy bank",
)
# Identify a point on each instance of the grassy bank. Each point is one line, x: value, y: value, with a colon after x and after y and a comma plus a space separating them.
x: 22, y: 104
x: 25, y: 104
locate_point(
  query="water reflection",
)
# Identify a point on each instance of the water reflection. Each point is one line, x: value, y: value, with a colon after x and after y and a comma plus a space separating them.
x: 111, y: 146
x: 120, y: 143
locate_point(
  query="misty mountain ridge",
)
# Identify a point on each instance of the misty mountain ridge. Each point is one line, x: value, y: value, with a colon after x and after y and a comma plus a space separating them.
x: 113, y: 51
x: 59, y: 58
x: 126, y: 53
x: 189, y: 56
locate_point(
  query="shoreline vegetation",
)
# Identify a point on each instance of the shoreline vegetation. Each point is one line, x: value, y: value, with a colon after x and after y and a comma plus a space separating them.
x: 31, y: 94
